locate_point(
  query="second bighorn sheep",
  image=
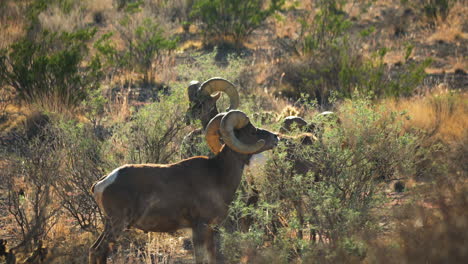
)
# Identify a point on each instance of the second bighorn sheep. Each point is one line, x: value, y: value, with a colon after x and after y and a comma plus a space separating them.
x: 193, y: 193
x: 203, y: 98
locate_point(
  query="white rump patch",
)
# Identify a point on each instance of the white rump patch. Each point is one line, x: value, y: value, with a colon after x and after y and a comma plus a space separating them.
x: 102, y: 185
x: 257, y: 163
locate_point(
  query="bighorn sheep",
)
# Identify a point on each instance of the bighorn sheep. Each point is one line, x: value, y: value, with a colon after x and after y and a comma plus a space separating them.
x: 193, y: 193
x: 203, y: 98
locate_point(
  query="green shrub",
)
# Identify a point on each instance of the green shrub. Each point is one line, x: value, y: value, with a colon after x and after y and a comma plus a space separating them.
x: 82, y: 163
x: 332, y: 66
x: 52, y: 71
x: 333, y: 202
x: 145, y: 44
x: 432, y: 9
x: 31, y: 166
x: 205, y: 65
x: 153, y: 135
x: 235, y: 20
x: 329, y: 24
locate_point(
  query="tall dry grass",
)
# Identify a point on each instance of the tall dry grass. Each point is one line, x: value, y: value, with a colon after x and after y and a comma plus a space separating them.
x: 55, y: 19
x: 451, y: 29
x: 443, y: 114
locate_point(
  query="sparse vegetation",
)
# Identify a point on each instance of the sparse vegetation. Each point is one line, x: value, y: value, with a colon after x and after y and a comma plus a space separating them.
x: 387, y: 182
x: 233, y: 21
x: 49, y: 72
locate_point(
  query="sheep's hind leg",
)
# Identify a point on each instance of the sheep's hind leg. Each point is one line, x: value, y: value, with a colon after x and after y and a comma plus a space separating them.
x: 96, y: 252
x: 203, y: 243
x: 100, y: 249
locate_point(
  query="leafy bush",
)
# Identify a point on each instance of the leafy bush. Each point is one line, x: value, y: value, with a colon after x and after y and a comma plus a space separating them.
x: 432, y: 9
x: 233, y: 20
x: 82, y: 163
x: 202, y: 66
x: 332, y: 66
x: 154, y: 133
x: 329, y: 25
x: 49, y: 72
x: 145, y: 45
x: 330, y: 204
x: 26, y: 181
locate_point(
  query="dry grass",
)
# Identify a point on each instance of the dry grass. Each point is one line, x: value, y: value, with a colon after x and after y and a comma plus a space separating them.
x: 444, y: 112
x: 430, y: 226
x: 16, y: 115
x: 451, y: 29
x: 12, y: 23
x: 98, y: 5
x: 55, y: 20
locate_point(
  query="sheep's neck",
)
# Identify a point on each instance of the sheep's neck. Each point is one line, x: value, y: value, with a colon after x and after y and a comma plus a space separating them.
x: 232, y: 166
x: 206, y: 119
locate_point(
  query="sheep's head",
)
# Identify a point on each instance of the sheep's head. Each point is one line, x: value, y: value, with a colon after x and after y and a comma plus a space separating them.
x: 203, y: 99
x: 235, y: 130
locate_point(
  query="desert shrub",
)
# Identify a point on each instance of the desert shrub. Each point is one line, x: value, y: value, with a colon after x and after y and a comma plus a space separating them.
x: 53, y: 15
x: 29, y: 170
x: 329, y: 25
x: 82, y: 163
x: 49, y: 72
x: 65, y: 16
x: 204, y: 65
x: 153, y: 134
x: 432, y: 9
x: 320, y: 213
x: 172, y: 10
x: 122, y: 4
x: 112, y: 60
x: 435, y: 218
x: 6, y: 98
x: 224, y: 20
x: 145, y: 45
x: 331, y: 64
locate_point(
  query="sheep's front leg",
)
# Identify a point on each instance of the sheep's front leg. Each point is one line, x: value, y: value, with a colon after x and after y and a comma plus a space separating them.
x: 203, y: 243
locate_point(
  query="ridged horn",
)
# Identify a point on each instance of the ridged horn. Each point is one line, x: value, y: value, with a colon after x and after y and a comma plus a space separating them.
x: 218, y: 84
x: 212, y: 133
x: 236, y: 119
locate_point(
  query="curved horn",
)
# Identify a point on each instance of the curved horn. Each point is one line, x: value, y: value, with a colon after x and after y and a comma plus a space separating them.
x: 236, y: 119
x: 212, y: 133
x: 192, y: 90
x: 218, y: 84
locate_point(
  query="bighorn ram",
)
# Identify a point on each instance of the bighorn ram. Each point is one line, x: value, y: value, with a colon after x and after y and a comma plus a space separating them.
x: 203, y: 98
x: 193, y: 193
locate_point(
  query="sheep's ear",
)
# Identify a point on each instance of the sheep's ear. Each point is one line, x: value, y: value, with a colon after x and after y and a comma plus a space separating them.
x: 192, y: 90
